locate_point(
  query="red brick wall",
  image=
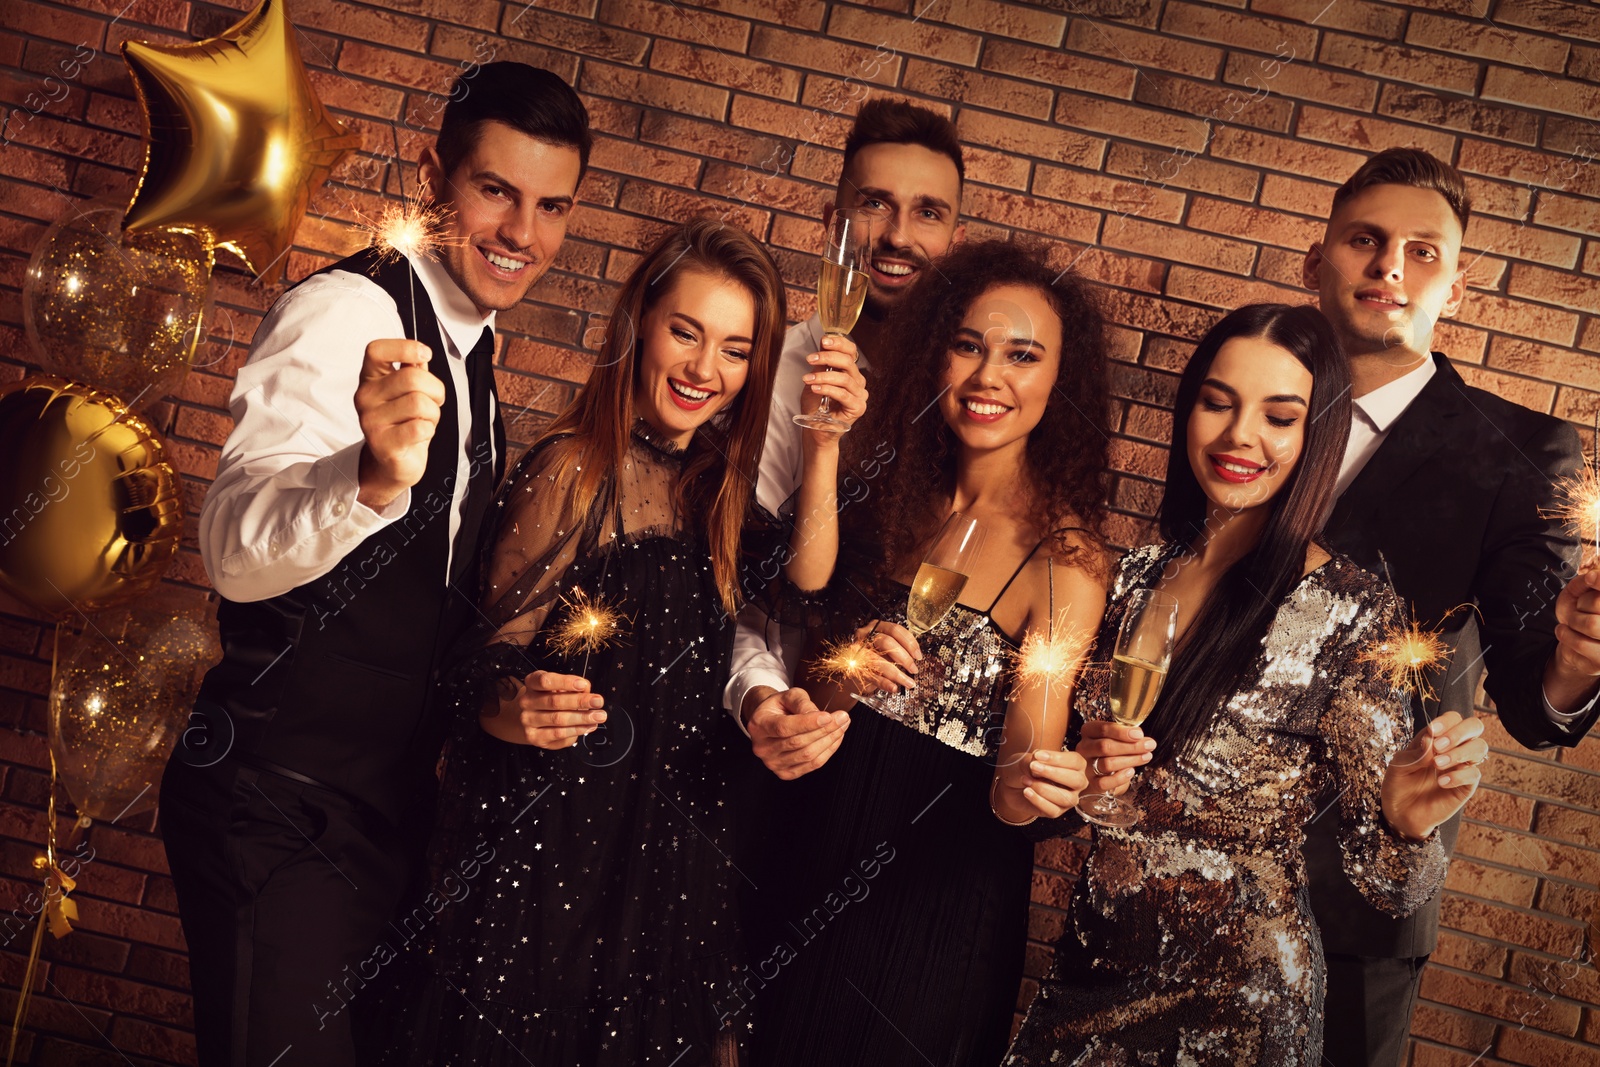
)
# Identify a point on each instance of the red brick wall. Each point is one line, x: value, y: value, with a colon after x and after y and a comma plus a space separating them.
x: 1181, y: 151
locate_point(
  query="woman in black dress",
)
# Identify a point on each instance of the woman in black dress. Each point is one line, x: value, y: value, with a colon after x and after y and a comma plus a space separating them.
x: 585, y: 912
x: 894, y: 906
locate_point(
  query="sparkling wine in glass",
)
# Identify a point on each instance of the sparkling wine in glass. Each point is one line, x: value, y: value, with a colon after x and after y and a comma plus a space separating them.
x: 841, y: 292
x: 1139, y: 665
x: 943, y: 573
x: 940, y: 578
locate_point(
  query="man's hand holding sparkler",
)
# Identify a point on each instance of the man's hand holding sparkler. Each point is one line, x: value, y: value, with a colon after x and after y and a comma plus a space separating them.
x: 398, y: 401
x: 546, y: 710
x: 1434, y: 776
x: 1574, y: 670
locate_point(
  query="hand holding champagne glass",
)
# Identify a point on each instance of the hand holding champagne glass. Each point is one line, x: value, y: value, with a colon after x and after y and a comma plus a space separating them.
x: 1138, y: 669
x: 841, y: 292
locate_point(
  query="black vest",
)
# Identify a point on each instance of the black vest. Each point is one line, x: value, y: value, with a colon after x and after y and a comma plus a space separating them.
x: 333, y: 681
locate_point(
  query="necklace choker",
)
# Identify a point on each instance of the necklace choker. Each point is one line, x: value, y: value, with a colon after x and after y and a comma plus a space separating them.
x: 657, y: 440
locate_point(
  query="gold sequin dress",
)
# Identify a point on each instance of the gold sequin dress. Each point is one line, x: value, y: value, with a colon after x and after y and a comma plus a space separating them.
x: 1190, y: 939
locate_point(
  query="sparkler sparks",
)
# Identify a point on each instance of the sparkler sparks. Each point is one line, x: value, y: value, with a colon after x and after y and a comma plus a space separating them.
x: 1580, y: 507
x: 1051, y: 656
x: 410, y: 228
x: 850, y: 661
x: 590, y: 625
x: 1403, y: 654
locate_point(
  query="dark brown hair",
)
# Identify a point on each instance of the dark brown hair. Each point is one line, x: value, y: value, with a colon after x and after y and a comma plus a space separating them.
x: 1415, y: 168
x: 1226, y: 633
x: 590, y: 437
x: 886, y: 121
x: 526, y: 98
x: 1065, y: 458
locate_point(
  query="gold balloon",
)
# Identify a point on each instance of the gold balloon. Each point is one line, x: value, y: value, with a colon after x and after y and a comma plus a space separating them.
x: 91, y: 513
x: 238, y: 140
x: 123, y: 314
x: 124, y: 685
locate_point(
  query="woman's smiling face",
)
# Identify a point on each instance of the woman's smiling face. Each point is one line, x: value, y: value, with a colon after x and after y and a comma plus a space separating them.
x: 1248, y: 425
x: 1000, y: 368
x: 694, y: 352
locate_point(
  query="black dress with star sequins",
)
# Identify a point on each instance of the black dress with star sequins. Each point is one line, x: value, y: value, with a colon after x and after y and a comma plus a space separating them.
x: 901, y: 902
x: 1190, y: 938
x: 581, y: 907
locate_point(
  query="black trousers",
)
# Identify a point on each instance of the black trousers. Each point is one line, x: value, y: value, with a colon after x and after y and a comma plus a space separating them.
x: 1368, y: 1009
x: 285, y: 891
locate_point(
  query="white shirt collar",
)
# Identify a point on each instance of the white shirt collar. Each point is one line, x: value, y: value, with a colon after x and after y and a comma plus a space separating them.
x: 459, y: 318
x: 1388, y: 402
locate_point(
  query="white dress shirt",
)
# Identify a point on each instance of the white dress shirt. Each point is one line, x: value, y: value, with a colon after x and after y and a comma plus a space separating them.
x: 765, y: 653
x: 1372, y: 415
x: 283, y: 511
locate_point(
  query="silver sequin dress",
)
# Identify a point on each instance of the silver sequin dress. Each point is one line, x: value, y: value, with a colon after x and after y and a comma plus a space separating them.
x: 897, y: 902
x: 582, y: 910
x: 1191, y: 939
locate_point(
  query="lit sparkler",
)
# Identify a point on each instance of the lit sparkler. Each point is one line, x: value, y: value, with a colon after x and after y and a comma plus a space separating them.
x: 413, y: 227
x: 410, y: 228
x: 850, y: 661
x: 589, y: 625
x: 1580, y: 507
x: 1051, y: 656
x: 407, y: 230
x: 1403, y: 654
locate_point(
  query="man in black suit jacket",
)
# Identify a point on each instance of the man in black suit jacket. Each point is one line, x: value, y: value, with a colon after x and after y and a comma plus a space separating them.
x: 1452, y: 489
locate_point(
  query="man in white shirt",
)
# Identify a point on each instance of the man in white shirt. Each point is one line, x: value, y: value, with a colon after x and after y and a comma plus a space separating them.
x: 342, y: 533
x: 903, y: 171
x: 1452, y: 491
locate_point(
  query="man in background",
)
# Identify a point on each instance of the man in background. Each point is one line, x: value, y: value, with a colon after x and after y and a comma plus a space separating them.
x: 902, y: 172
x: 1452, y: 491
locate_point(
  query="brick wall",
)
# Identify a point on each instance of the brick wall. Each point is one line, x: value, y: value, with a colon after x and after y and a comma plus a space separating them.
x: 1181, y: 152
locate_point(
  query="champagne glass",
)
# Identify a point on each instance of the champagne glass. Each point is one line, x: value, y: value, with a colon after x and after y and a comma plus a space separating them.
x: 943, y: 573
x: 940, y: 578
x: 1138, y: 669
x: 841, y: 291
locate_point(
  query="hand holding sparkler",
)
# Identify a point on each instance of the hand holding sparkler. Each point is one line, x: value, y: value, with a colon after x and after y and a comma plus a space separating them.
x: 398, y: 401
x: 546, y: 710
x: 1047, y: 660
x: 1034, y: 775
x: 1434, y: 776
x: 1570, y: 676
x: 882, y: 656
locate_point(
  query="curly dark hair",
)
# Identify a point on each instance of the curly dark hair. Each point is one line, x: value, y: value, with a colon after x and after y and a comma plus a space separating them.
x: 1066, y: 453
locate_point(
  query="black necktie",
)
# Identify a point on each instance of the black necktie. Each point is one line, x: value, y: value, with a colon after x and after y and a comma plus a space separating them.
x: 485, y: 468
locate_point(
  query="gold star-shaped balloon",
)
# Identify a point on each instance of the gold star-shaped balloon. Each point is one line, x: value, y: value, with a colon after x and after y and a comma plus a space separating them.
x: 238, y: 140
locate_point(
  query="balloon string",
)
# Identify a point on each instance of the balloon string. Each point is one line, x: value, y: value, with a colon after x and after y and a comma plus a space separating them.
x: 25, y: 990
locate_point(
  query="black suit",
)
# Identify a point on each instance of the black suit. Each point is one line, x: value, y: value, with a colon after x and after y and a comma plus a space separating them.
x: 1458, y: 500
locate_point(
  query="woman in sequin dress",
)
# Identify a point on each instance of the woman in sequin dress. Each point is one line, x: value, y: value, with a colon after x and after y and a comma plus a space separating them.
x: 1190, y: 938
x: 584, y: 912
x: 896, y: 909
